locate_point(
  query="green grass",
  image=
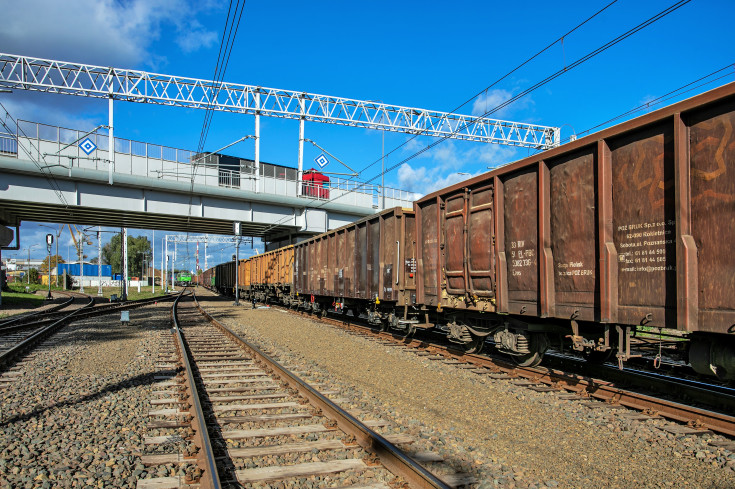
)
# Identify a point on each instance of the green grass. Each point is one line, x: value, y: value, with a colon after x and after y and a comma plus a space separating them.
x: 17, y: 300
x: 133, y: 294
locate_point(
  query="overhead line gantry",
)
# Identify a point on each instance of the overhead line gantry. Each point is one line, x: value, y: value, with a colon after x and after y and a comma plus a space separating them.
x: 63, y: 77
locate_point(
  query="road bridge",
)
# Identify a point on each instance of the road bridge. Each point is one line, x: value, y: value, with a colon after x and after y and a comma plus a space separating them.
x: 46, y: 175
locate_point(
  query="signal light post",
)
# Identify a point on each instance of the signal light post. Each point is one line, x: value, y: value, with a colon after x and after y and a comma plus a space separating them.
x: 49, y: 242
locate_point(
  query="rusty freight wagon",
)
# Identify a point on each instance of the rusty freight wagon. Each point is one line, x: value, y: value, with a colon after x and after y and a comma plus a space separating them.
x: 365, y: 268
x: 628, y: 227
x: 224, y: 278
x: 271, y: 275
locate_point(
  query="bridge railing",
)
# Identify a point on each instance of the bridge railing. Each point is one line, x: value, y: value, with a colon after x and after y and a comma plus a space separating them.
x: 58, y: 146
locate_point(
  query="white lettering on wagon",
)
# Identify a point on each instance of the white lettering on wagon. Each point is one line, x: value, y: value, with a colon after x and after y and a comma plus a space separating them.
x: 642, y: 246
x: 521, y: 257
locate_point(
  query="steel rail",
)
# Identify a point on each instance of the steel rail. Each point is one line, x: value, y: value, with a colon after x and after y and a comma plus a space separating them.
x: 84, y: 312
x: 22, y: 317
x: 392, y: 458
x: 205, y: 458
x: 7, y: 357
x: 579, y: 384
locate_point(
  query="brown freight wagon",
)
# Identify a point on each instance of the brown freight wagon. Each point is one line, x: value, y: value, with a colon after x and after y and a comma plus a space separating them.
x: 224, y: 279
x: 244, y: 276
x: 366, y: 267
x: 271, y: 275
x: 632, y: 226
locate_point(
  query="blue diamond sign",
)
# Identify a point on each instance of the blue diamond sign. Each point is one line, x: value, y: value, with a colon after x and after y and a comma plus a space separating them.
x: 87, y: 145
x: 321, y: 160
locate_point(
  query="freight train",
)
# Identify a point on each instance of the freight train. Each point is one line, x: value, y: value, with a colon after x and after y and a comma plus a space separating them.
x: 587, y: 243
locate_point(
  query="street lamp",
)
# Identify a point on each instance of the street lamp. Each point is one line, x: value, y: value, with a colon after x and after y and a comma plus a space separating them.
x: 49, y: 242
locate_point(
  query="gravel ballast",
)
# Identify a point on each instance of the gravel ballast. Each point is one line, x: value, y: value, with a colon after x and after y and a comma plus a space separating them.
x: 504, y: 435
x: 76, y: 416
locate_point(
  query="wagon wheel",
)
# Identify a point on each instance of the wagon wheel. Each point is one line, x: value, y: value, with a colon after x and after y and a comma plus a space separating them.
x: 537, y: 346
x: 475, y: 344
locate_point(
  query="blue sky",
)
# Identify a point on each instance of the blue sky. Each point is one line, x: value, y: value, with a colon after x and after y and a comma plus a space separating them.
x: 426, y: 54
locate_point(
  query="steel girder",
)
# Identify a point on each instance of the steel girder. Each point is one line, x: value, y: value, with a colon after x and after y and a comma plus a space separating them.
x: 44, y: 75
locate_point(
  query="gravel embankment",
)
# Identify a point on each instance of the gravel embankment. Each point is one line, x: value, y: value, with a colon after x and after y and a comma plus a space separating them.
x: 77, y: 415
x: 504, y: 435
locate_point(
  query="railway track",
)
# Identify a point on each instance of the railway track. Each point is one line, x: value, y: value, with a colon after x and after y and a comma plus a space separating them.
x: 254, y: 421
x: 18, y: 338
x: 42, y: 313
x: 596, y: 393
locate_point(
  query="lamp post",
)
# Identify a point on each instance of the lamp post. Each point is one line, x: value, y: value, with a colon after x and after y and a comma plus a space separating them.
x: 49, y: 242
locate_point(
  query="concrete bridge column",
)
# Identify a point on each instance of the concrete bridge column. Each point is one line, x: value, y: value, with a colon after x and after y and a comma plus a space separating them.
x: 6, y: 237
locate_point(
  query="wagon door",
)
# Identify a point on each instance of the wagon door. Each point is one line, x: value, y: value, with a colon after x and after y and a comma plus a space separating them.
x: 480, y: 238
x: 455, y: 245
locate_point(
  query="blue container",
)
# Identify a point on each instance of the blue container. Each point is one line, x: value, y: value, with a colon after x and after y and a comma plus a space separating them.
x: 89, y: 270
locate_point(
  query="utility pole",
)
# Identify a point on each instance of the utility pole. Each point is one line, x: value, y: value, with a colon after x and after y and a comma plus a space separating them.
x: 81, y: 262
x: 173, y: 268
x: 164, y: 257
x: 237, y: 263
x: 382, y: 174
x: 153, y: 260
x: 99, y: 261
x: 49, y: 242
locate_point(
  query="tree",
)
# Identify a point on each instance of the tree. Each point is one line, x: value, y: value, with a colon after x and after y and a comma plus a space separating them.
x: 55, y: 260
x: 112, y: 254
x: 35, y: 278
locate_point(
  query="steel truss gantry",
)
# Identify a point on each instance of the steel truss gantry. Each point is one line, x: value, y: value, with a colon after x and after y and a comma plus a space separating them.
x: 44, y: 75
x: 189, y: 238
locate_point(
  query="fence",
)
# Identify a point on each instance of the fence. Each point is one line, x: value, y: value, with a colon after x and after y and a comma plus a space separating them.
x: 57, y: 146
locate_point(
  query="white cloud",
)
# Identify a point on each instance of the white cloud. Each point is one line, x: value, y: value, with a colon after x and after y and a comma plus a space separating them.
x: 105, y: 32
x: 102, y: 32
x: 490, y: 99
x: 422, y: 181
x: 195, y: 36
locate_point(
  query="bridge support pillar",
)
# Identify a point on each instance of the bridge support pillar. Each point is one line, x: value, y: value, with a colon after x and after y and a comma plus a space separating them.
x: 111, y: 140
x: 300, y: 174
x: 257, y: 143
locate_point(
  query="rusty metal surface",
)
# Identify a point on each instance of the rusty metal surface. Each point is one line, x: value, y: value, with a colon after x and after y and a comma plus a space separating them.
x: 628, y: 226
x: 427, y: 225
x: 479, y: 247
x: 520, y: 215
x: 407, y: 260
x: 712, y: 152
x: 644, y: 225
x: 374, y: 228
x: 573, y: 237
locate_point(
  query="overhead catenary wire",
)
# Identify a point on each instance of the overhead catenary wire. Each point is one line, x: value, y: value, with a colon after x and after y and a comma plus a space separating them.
x: 663, y: 98
x: 232, y: 25
x: 53, y: 184
x: 223, y: 58
x: 506, y: 75
x: 551, y: 77
x: 536, y: 86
